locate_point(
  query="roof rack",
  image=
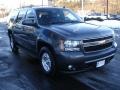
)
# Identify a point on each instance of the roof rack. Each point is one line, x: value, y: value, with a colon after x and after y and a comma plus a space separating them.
x: 29, y: 6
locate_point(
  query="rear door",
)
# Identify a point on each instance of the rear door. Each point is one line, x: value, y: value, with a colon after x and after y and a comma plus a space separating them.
x: 18, y: 28
x: 12, y: 19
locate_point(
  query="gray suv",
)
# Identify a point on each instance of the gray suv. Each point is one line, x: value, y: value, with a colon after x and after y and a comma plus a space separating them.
x: 60, y: 40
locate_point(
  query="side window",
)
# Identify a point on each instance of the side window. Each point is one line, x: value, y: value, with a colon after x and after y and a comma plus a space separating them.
x: 21, y: 15
x: 13, y: 16
x: 30, y: 14
x: 44, y: 17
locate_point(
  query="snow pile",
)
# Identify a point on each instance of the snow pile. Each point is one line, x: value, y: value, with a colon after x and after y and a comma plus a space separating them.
x: 114, y: 24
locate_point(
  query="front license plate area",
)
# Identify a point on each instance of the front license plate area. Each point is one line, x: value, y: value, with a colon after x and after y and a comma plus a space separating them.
x: 100, y: 63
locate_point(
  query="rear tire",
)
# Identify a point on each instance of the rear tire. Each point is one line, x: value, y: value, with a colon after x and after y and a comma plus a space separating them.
x: 13, y: 45
x: 47, y: 62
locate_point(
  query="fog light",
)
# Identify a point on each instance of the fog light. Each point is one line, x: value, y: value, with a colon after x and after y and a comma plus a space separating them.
x: 115, y: 44
x: 70, y: 67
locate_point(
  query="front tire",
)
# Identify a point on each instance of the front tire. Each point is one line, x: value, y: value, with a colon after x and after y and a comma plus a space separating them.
x: 13, y: 45
x: 47, y: 62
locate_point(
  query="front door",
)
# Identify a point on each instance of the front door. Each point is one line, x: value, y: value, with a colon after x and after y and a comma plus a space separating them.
x: 30, y: 37
x: 30, y: 31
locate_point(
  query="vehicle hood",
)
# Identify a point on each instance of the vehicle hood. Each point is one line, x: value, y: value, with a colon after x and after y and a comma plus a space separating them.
x: 81, y: 31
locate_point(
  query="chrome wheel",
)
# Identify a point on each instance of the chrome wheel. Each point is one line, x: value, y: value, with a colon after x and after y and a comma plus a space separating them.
x: 46, y: 62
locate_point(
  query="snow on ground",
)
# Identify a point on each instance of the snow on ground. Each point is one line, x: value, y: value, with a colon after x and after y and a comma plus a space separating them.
x: 114, y: 24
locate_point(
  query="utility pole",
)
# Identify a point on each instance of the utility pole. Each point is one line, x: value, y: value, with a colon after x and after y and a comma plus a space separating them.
x: 107, y: 9
x: 82, y: 6
x: 53, y: 2
x: 42, y: 2
x: 20, y: 4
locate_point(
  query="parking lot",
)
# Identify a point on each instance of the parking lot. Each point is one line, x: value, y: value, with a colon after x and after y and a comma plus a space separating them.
x: 22, y: 72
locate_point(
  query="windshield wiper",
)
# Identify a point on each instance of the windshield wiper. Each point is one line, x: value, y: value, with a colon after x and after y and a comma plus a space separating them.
x: 59, y: 22
x: 63, y: 22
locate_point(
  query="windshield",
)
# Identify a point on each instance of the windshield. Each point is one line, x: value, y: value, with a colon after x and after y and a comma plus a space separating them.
x: 56, y: 16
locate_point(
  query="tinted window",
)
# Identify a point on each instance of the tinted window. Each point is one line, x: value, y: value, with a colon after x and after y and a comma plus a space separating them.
x: 30, y: 14
x: 56, y: 16
x: 69, y: 16
x: 21, y: 15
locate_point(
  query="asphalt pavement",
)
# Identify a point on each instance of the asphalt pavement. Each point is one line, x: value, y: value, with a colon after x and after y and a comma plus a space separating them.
x: 22, y: 72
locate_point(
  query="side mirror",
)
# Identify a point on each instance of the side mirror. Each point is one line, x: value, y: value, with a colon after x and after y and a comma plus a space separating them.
x: 11, y: 19
x: 29, y: 22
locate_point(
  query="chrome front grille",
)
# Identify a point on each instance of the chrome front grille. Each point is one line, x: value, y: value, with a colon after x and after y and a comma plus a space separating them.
x: 91, y: 45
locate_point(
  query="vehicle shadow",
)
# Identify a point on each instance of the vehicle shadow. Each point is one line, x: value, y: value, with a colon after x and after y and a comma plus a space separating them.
x: 29, y: 67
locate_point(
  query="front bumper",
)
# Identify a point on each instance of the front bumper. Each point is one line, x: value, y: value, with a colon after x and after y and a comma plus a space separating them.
x: 78, y: 61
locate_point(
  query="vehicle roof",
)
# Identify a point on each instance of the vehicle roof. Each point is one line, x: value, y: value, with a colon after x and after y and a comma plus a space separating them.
x: 38, y: 7
x: 42, y: 7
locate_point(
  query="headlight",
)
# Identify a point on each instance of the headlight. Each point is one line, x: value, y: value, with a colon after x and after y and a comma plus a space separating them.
x: 70, y: 45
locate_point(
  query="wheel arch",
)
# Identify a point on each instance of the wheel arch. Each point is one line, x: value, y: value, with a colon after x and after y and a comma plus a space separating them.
x: 41, y: 44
